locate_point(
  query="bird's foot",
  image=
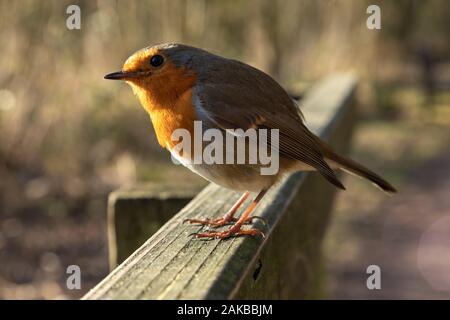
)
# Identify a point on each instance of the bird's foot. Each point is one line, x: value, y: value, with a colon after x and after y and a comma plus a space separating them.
x: 234, y: 231
x: 224, y: 221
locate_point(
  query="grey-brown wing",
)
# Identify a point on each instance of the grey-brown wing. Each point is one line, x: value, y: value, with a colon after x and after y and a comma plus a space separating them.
x: 258, y: 103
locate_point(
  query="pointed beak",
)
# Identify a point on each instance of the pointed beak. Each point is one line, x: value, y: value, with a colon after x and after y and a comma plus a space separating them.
x: 119, y: 75
x: 127, y: 75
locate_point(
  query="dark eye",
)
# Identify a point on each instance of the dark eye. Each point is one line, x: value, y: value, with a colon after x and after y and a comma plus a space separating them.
x: 156, y: 60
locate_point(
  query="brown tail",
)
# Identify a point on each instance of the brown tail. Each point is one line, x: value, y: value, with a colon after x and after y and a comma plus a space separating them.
x: 351, y: 166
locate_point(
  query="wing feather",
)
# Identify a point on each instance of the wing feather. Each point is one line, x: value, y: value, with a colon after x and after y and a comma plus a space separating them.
x: 246, y: 98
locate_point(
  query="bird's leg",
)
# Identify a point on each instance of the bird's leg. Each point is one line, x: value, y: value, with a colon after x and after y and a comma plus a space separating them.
x: 227, y: 218
x: 235, y: 229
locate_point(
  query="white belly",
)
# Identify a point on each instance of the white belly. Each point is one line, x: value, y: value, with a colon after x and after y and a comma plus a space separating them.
x: 235, y: 177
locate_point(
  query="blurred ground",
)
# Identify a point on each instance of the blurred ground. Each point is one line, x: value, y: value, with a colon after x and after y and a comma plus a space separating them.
x: 406, y: 235
x: 36, y: 247
x: 35, y: 252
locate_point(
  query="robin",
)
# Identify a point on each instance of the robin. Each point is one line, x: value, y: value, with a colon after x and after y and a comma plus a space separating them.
x: 178, y: 85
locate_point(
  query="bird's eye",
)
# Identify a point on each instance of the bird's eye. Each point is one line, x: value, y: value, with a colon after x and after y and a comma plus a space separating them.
x: 156, y: 60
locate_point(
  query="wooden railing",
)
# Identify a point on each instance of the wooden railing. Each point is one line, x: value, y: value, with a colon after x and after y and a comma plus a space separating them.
x: 172, y: 264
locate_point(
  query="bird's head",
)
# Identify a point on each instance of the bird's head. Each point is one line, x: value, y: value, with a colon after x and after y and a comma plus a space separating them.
x: 159, y: 74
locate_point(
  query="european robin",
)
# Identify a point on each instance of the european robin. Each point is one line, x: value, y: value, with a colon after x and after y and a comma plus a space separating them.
x: 179, y: 84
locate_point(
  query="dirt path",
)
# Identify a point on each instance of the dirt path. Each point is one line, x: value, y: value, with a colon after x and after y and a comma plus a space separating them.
x: 408, y: 237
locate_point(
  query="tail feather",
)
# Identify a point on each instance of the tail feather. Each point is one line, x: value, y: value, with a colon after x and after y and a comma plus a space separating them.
x: 351, y: 166
x: 354, y: 167
x: 331, y: 177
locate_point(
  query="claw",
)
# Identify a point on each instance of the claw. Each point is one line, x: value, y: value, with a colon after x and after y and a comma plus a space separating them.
x: 195, y: 220
x: 229, y: 233
x: 194, y: 234
x: 215, y: 223
x: 234, y: 230
x: 211, y: 222
x: 263, y: 221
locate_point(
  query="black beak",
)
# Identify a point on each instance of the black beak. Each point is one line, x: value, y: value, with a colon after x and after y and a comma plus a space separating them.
x: 124, y: 75
x: 119, y: 75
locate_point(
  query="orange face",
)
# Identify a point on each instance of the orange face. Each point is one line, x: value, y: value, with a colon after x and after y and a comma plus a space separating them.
x: 164, y: 90
x: 155, y: 79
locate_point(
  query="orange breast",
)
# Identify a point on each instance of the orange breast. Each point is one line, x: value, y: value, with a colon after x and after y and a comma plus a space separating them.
x: 167, y: 97
x: 180, y: 115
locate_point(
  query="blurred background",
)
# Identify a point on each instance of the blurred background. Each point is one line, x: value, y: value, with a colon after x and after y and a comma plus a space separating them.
x: 68, y: 138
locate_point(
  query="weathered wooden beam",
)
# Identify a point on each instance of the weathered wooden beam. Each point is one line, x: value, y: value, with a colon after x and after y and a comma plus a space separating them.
x: 286, y: 264
x: 135, y: 213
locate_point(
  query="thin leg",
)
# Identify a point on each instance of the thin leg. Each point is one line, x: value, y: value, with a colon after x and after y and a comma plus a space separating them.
x: 227, y: 218
x: 236, y: 230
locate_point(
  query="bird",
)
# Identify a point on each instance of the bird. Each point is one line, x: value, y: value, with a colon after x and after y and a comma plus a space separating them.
x: 179, y: 84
